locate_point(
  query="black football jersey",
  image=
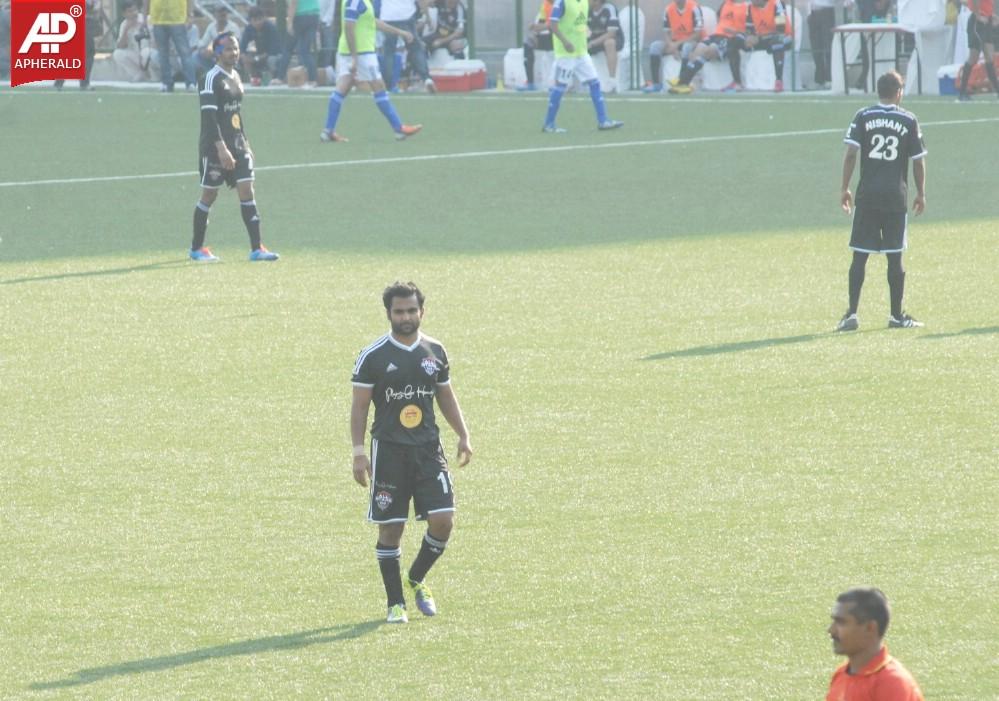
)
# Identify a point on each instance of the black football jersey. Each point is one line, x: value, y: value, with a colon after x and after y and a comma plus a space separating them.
x: 888, y: 137
x: 404, y: 381
x: 604, y: 20
x: 221, y: 96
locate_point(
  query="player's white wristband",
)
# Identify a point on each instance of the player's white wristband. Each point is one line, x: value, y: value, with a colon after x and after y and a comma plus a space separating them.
x: 359, y: 451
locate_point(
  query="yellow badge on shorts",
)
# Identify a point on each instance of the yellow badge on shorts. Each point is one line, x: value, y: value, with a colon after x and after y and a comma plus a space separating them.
x: 411, y: 416
x: 235, y: 121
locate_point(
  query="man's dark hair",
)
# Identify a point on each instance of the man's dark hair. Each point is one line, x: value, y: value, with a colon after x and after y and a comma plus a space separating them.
x: 868, y: 603
x: 129, y: 3
x: 401, y: 289
x: 889, y: 84
x: 255, y: 13
x: 218, y: 46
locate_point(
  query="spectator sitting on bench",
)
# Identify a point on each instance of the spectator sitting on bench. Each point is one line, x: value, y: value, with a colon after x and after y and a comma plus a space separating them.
x: 221, y: 25
x: 605, y: 36
x: 132, y: 51
x: 731, y: 26
x: 683, y: 23
x: 260, y: 46
x: 450, y: 30
x: 767, y: 29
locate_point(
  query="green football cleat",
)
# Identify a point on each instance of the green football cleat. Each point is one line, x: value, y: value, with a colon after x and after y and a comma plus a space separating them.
x: 424, y: 598
x: 397, y: 614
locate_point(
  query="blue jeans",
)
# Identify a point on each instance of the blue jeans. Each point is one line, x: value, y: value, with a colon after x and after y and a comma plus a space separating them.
x: 416, y: 52
x: 304, y: 29
x: 164, y: 34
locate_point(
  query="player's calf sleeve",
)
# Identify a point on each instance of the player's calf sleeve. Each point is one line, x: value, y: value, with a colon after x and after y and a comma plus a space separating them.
x: 388, y: 563
x: 965, y: 74
x: 430, y: 550
x: 735, y: 64
x: 333, y: 111
x: 251, y: 218
x: 779, y: 64
x: 386, y: 108
x: 200, y: 225
x: 990, y: 69
x: 896, y: 283
x: 597, y: 97
x: 857, y: 271
x: 656, y: 64
x: 529, y: 62
x: 554, y: 100
x: 690, y: 70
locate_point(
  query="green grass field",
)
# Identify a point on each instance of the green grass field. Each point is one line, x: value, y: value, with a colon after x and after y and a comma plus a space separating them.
x: 678, y: 465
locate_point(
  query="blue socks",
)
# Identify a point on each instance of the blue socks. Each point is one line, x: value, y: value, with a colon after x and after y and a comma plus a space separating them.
x: 333, y: 112
x: 385, y: 105
x: 598, y: 101
x: 554, y: 101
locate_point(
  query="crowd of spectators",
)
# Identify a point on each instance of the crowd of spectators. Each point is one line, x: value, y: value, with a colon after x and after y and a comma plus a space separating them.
x: 166, y: 32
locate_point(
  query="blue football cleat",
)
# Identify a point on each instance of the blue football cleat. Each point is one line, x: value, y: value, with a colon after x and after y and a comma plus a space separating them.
x: 263, y: 254
x: 610, y: 124
x: 203, y: 255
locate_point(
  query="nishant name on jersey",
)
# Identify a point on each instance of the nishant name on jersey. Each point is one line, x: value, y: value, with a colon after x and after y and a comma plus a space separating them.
x: 882, y: 123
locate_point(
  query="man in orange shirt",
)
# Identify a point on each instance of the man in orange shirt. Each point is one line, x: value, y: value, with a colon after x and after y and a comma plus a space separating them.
x: 683, y: 22
x: 859, y: 621
x: 731, y: 27
x: 983, y: 28
x: 769, y: 30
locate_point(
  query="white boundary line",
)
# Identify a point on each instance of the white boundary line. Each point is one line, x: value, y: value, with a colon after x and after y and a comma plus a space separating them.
x: 485, y: 154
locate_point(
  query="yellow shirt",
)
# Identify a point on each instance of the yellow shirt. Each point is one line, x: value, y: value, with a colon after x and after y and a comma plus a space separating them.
x: 167, y: 11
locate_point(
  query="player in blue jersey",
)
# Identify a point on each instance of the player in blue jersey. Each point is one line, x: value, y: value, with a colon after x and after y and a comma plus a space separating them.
x: 358, y: 63
x: 568, y: 23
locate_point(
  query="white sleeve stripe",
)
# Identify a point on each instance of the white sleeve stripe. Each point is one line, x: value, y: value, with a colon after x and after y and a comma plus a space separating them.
x: 364, y: 354
x: 362, y: 384
x: 919, y: 155
x: 851, y: 142
x: 209, y: 107
x: 444, y: 384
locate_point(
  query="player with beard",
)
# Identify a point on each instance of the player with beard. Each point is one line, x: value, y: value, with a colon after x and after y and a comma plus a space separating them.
x: 400, y: 374
x: 224, y: 152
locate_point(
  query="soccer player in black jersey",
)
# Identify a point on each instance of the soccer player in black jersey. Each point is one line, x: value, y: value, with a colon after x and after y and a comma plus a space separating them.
x: 224, y: 153
x: 887, y: 137
x: 401, y: 373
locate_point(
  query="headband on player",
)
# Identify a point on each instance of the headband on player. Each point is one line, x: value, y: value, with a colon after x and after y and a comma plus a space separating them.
x: 218, y: 46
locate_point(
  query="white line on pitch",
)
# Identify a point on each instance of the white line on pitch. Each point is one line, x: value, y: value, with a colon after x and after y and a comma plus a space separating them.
x: 485, y: 154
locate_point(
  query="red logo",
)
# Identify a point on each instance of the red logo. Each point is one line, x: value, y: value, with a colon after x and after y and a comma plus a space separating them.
x: 47, y: 40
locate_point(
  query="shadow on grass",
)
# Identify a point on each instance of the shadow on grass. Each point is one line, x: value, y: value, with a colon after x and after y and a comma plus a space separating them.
x: 292, y: 641
x: 159, y: 265
x: 699, y: 351
x: 967, y: 332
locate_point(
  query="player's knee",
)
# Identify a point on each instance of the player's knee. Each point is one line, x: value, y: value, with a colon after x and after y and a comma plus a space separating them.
x: 390, y: 533
x: 895, y: 267
x: 440, y: 525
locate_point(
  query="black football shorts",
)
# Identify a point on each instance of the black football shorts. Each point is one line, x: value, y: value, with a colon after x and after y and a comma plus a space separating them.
x: 878, y: 231
x: 213, y: 176
x: 403, y: 472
